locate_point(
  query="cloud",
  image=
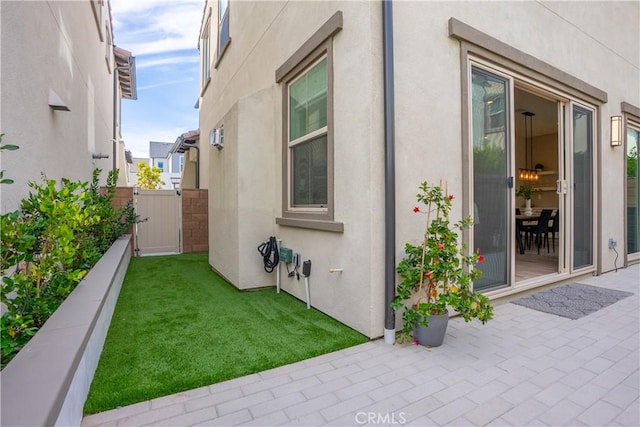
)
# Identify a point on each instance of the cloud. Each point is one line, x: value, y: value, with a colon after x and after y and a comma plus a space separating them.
x: 163, y: 36
x: 149, y: 27
x: 171, y: 60
x: 166, y: 83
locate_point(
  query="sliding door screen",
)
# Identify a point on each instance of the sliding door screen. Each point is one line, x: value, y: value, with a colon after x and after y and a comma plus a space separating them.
x: 489, y: 106
x: 582, y: 187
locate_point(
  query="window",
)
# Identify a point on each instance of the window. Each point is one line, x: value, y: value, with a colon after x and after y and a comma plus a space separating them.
x: 97, y: 6
x: 161, y: 166
x: 205, y: 52
x: 307, y: 132
x: 308, y: 138
x: 181, y: 162
x: 108, y: 56
x: 223, y: 28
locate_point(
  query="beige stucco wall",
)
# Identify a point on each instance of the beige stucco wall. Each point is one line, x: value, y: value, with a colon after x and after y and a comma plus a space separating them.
x: 245, y: 177
x: 244, y: 84
x: 53, y: 45
x: 597, y: 42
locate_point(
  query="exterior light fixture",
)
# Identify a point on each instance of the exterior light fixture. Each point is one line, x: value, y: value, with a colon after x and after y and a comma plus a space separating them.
x: 616, y: 131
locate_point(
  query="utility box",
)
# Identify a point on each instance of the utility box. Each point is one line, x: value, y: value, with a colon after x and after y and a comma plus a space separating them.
x: 286, y: 255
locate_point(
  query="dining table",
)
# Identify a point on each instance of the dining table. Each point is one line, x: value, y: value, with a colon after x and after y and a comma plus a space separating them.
x: 520, y: 220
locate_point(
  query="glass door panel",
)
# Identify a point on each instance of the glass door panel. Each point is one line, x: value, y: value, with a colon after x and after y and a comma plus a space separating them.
x: 491, y: 206
x: 582, y: 142
x: 633, y: 191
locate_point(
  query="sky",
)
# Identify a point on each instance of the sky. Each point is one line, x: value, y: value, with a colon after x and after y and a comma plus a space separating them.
x: 163, y: 37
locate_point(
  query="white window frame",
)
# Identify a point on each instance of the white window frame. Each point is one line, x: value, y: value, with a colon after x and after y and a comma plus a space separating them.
x: 291, y: 144
x: 206, y: 53
x: 223, y: 18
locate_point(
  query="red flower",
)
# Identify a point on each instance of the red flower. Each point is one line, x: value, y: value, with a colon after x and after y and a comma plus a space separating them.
x: 480, y: 258
x: 451, y: 197
x: 416, y: 209
x: 428, y: 274
x: 440, y: 245
x: 416, y: 342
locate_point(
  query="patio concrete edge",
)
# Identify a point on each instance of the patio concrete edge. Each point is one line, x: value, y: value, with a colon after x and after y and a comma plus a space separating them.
x: 48, y: 382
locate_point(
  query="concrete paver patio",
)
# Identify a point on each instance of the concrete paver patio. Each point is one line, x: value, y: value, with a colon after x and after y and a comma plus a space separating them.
x: 524, y: 367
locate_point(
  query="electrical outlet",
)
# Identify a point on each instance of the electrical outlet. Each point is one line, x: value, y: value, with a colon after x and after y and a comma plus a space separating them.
x: 612, y: 243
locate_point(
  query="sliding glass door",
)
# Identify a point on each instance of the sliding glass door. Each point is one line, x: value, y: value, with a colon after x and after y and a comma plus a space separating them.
x: 491, y: 203
x: 633, y: 191
x: 565, y: 143
x: 582, y: 186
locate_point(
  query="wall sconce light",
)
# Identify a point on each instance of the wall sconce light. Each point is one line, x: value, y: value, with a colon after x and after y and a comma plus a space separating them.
x: 56, y: 103
x: 616, y: 131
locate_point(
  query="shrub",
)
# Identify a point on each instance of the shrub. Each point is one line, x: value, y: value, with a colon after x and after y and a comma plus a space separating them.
x: 55, y: 238
x: 438, y: 273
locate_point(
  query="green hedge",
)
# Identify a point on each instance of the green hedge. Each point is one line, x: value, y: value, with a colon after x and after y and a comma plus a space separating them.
x: 48, y: 245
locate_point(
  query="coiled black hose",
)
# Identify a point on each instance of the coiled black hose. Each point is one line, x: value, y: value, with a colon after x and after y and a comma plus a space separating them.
x: 270, y: 254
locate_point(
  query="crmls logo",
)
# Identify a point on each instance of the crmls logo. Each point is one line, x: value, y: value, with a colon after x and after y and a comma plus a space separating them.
x: 389, y: 418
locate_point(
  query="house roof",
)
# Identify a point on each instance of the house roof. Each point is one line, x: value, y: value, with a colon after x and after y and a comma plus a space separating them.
x: 159, y: 149
x: 185, y: 141
x: 126, y: 66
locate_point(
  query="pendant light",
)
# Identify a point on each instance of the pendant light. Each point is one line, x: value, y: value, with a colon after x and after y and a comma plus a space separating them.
x: 528, y: 173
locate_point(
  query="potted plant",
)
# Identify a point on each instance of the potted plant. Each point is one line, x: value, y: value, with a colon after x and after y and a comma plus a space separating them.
x: 526, y: 191
x: 438, y: 273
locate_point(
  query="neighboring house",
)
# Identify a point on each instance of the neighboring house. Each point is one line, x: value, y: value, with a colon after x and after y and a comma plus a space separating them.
x: 334, y: 112
x: 195, y: 160
x: 170, y: 164
x: 62, y: 81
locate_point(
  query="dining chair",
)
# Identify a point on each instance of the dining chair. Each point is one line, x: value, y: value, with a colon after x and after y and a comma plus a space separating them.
x: 555, y: 228
x: 541, y: 230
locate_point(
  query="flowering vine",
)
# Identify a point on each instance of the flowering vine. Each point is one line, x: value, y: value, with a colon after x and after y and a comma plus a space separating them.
x: 439, y: 273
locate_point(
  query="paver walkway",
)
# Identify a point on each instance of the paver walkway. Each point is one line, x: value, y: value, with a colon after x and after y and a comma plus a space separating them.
x: 524, y: 367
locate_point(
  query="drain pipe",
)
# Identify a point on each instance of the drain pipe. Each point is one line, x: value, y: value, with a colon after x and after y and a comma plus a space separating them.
x: 389, y: 175
x: 114, y: 141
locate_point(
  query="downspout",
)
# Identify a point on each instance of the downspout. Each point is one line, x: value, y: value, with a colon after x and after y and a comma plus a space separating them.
x: 114, y: 140
x: 197, y: 163
x: 389, y: 174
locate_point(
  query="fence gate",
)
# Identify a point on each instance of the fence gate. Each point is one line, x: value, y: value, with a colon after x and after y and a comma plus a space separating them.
x: 160, y: 233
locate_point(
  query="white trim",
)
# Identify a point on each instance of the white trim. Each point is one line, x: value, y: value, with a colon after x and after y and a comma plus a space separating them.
x: 309, y: 136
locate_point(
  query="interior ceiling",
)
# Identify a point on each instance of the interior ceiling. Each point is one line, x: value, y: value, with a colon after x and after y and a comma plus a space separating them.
x: 545, y: 120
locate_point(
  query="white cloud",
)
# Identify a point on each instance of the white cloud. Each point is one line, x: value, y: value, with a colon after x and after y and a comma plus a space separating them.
x: 171, y: 60
x: 149, y: 27
x: 166, y: 83
x: 159, y: 33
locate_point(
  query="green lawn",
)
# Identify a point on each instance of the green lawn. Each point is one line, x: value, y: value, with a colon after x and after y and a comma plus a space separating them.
x: 178, y: 326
